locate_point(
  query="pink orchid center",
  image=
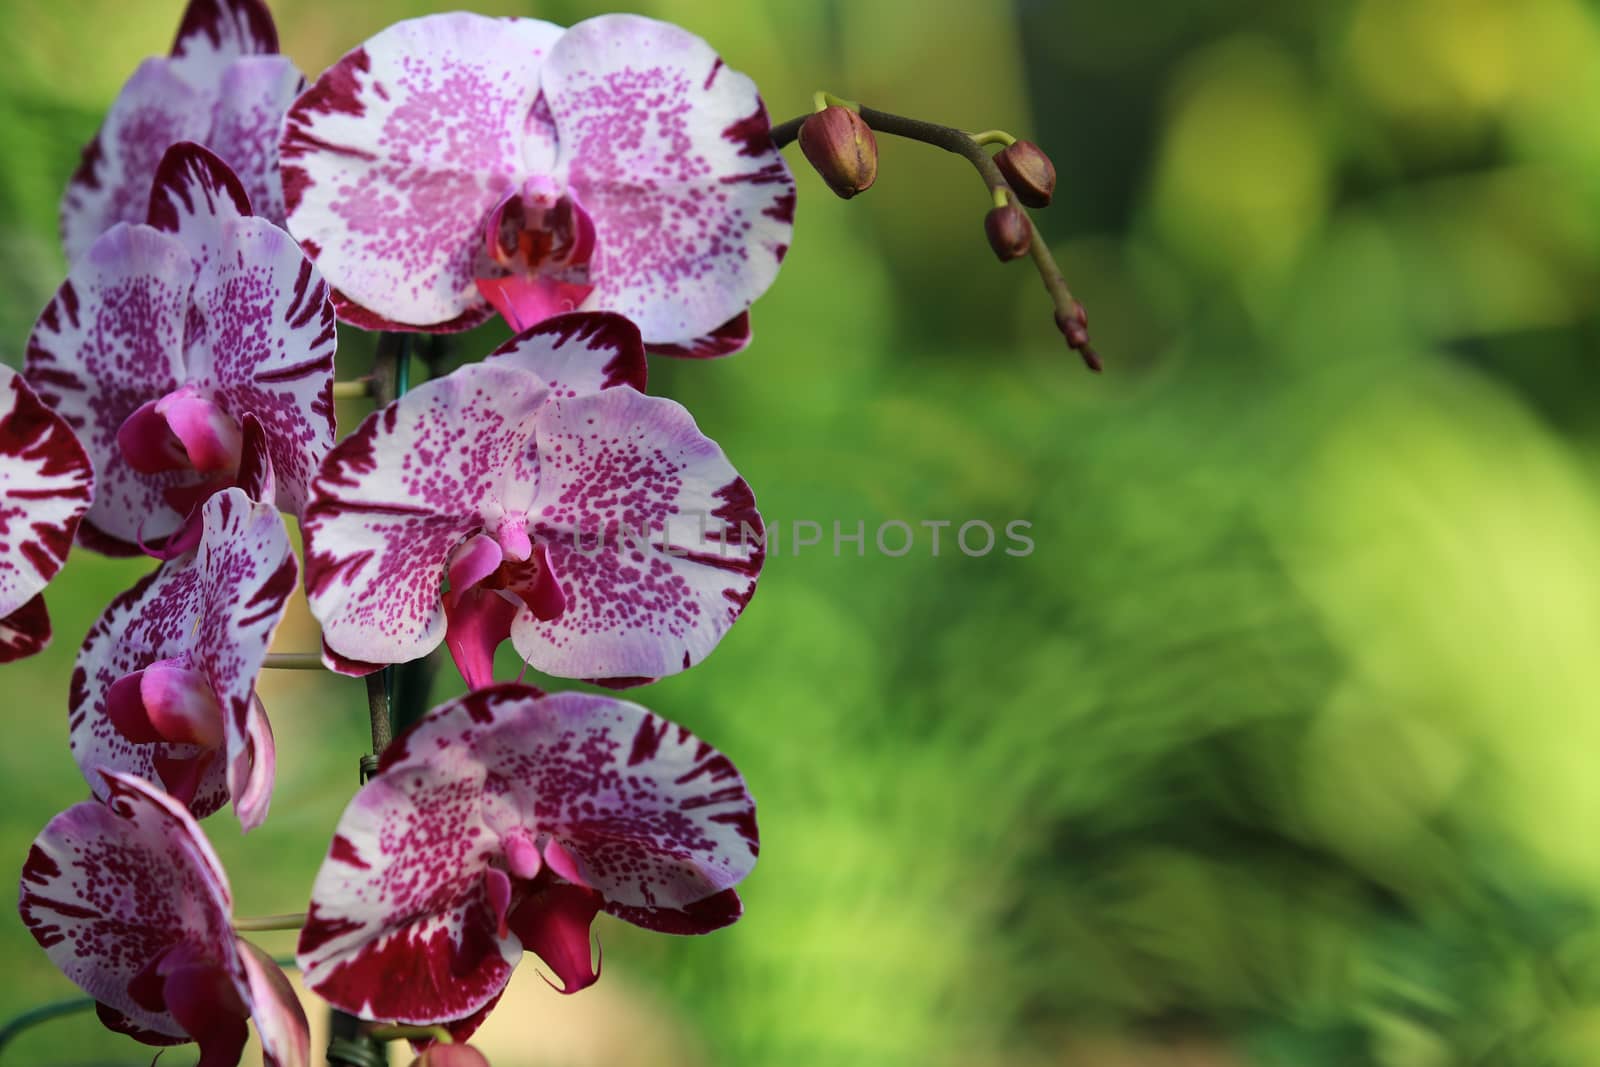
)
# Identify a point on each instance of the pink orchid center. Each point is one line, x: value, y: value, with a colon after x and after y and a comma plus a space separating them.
x: 539, y: 896
x: 201, y: 997
x: 169, y: 703
x: 184, y: 430
x: 542, y: 240
x: 491, y: 579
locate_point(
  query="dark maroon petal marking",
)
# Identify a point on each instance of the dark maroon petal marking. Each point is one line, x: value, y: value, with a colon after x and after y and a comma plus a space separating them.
x: 582, y: 352
x: 46, y: 484
x: 193, y: 195
x: 109, y: 890
x: 213, y: 33
x: 356, y: 315
x: 701, y: 917
x: 670, y: 153
x: 732, y: 336
x: 553, y: 924
x: 394, y: 157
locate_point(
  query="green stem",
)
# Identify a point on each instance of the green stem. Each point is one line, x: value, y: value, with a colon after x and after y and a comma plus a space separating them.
x: 1068, y: 311
x: 352, y: 389
x: 287, y: 921
x: 402, y: 1032
x: 999, y: 137
x: 294, y: 661
x: 43, y: 1014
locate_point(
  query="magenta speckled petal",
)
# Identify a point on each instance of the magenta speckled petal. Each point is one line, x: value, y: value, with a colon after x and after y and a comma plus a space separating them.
x: 194, y: 195
x: 155, y: 110
x: 247, y: 121
x: 46, y: 483
x: 214, y: 33
x: 395, y: 498
x: 432, y: 859
x: 669, y: 152
x: 583, y: 352
x: 265, y: 341
x: 110, y: 340
x: 395, y: 156
x: 280, y: 1020
x: 651, y: 532
x: 215, y: 611
x: 109, y: 889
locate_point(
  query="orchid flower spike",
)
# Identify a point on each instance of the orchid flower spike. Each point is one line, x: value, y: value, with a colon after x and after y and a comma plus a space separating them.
x: 504, y: 822
x: 166, y: 335
x: 595, y: 526
x: 457, y: 165
x: 165, y: 683
x: 46, y: 484
x: 129, y: 900
x: 223, y: 86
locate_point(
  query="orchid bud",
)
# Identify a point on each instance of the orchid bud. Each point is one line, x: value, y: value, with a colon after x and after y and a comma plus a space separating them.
x: 840, y: 145
x: 451, y: 1056
x: 1030, y: 172
x: 1009, y: 231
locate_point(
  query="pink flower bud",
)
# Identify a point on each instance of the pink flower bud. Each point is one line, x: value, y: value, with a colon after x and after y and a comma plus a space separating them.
x: 1009, y: 231
x: 451, y: 1056
x: 840, y: 145
x: 1030, y: 172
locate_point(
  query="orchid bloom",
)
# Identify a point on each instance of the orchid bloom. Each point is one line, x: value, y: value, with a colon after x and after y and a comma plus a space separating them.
x: 46, y: 484
x: 456, y: 165
x: 596, y: 527
x: 223, y: 86
x: 129, y: 900
x: 506, y: 821
x: 165, y: 683
x: 165, y: 336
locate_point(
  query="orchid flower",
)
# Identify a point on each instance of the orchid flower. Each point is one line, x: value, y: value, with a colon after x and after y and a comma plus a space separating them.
x: 600, y: 530
x: 165, y: 683
x: 456, y: 165
x: 165, y: 336
x: 129, y: 900
x: 223, y: 86
x: 506, y: 821
x: 46, y: 484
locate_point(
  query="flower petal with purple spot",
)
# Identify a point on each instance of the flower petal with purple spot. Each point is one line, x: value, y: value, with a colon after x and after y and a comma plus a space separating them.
x: 46, y: 484
x: 394, y: 157
x: 214, y: 33
x: 205, y: 621
x: 503, y: 821
x: 581, y: 352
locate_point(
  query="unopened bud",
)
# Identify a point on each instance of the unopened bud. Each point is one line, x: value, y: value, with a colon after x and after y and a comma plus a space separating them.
x: 840, y: 145
x: 1009, y: 231
x: 1030, y: 172
x: 1074, y: 326
x: 451, y: 1056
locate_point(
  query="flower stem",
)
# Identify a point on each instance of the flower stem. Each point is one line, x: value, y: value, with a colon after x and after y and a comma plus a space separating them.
x: 971, y: 148
x: 42, y: 1014
x: 352, y: 389
x: 287, y: 921
x: 294, y: 661
x: 402, y: 1032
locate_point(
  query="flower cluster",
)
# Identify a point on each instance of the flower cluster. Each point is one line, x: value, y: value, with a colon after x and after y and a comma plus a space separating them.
x: 609, y: 189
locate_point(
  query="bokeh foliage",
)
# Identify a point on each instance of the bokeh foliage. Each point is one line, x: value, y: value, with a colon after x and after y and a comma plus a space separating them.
x: 1279, y: 748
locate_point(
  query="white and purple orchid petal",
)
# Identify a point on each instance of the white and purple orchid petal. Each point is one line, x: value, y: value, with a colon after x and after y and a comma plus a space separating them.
x: 46, y: 484
x: 583, y: 352
x: 280, y: 1020
x: 402, y: 925
x: 26, y: 631
x: 207, y: 616
x: 732, y: 336
x: 262, y: 335
x: 627, y: 803
x: 155, y: 110
x: 109, y: 341
x: 110, y: 889
x: 214, y: 33
x: 394, y: 157
x: 247, y: 123
x: 653, y: 535
x: 670, y: 153
x: 193, y: 196
x: 553, y: 924
x: 397, y: 497
x: 701, y: 917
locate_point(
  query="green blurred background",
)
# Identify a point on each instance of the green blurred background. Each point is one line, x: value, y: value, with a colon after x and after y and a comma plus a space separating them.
x: 1279, y: 749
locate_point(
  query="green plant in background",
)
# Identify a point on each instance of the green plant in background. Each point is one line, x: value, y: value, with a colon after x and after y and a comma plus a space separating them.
x: 1275, y: 749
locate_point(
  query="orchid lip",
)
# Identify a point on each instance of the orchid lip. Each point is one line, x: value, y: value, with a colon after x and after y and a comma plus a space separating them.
x: 167, y: 702
x: 184, y: 430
